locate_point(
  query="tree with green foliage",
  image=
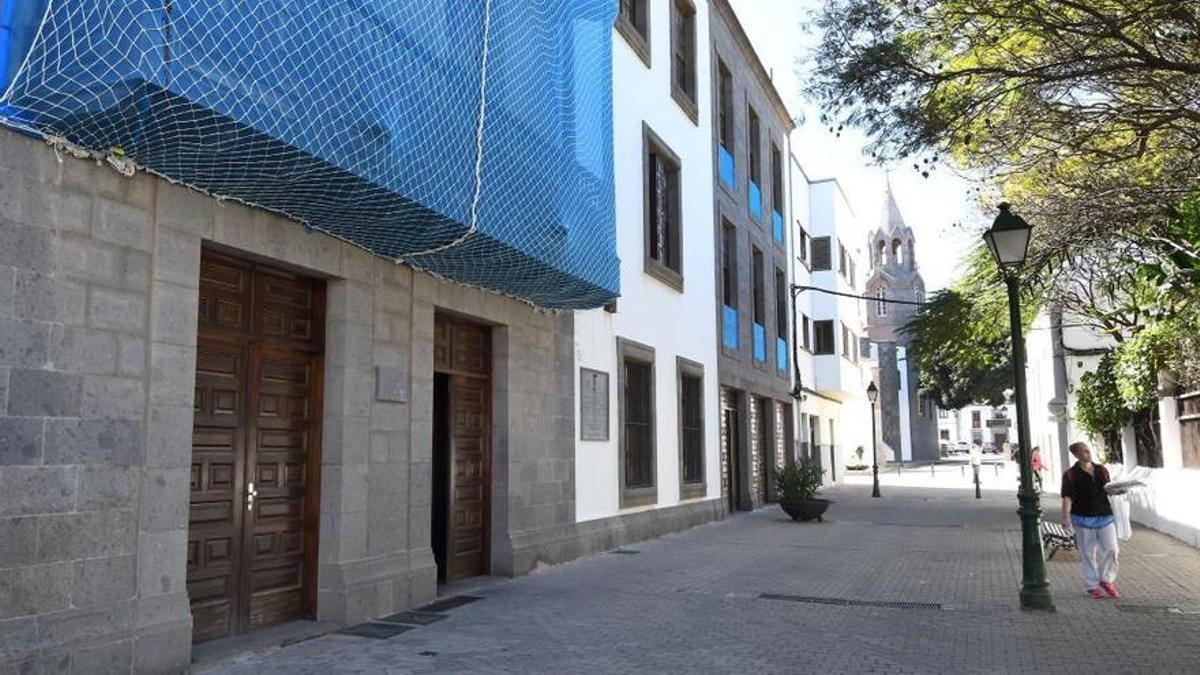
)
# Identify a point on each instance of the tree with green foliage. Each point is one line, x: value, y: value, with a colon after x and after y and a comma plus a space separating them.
x: 957, y: 364
x: 1100, y: 409
x: 1084, y: 94
x: 1083, y: 113
x: 960, y: 339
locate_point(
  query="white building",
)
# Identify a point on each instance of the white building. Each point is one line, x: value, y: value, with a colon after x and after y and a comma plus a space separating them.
x: 1061, y: 351
x: 647, y: 424
x: 835, y: 416
x: 982, y: 424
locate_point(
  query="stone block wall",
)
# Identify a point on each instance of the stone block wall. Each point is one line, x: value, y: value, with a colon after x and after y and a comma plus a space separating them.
x: 889, y: 407
x: 99, y: 278
x: 93, y: 504
x: 751, y: 88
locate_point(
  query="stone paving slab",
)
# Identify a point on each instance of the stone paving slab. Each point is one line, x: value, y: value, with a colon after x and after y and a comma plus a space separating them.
x: 690, y: 602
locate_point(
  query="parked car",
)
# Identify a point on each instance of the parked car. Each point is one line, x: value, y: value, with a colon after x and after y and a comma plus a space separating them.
x: 962, y: 448
x: 990, y: 448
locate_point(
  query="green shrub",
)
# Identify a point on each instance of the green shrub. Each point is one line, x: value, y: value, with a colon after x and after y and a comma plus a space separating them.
x: 1139, y: 359
x: 799, y: 482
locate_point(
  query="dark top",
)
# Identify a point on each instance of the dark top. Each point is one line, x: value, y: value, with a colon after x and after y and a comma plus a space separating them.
x: 1087, y: 494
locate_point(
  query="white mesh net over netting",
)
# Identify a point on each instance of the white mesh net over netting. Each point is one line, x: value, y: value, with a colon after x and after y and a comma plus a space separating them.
x: 471, y: 138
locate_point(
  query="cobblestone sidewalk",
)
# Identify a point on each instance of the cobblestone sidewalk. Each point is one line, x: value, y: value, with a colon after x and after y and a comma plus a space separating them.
x: 922, y: 581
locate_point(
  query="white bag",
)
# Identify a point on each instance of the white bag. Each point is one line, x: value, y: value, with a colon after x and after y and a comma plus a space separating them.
x: 1120, y: 508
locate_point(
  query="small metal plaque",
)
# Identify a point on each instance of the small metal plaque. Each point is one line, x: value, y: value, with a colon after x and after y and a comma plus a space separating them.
x: 391, y: 384
x: 593, y: 405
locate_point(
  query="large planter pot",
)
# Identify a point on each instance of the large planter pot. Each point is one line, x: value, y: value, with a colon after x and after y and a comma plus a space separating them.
x: 809, y: 510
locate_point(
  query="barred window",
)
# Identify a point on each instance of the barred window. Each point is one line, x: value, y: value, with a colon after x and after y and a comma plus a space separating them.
x: 691, y: 424
x: 637, y: 423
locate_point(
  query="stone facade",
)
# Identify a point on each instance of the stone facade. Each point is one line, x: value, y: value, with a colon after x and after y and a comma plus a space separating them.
x: 739, y: 370
x: 99, y: 278
x: 895, y: 275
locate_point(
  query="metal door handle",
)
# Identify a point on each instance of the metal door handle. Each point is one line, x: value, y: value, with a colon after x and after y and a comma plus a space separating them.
x: 251, y: 493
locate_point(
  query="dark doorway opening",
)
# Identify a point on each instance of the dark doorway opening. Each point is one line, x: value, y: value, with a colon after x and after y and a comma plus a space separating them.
x: 766, y: 451
x: 441, y: 471
x: 461, y: 516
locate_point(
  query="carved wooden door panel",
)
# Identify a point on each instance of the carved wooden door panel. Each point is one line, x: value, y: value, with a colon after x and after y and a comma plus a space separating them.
x: 280, y: 429
x: 255, y: 448
x: 215, y: 522
x: 469, y: 441
x: 462, y: 350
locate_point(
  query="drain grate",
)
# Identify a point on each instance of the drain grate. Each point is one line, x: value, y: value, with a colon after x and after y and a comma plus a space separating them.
x: 378, y: 631
x: 450, y: 603
x: 624, y: 551
x: 1156, y: 609
x: 414, y: 618
x: 849, y: 602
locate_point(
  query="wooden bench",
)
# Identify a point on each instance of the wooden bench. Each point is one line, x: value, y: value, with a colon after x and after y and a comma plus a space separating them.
x: 1055, y: 538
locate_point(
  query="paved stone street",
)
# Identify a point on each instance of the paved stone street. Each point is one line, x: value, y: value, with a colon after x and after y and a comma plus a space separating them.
x: 692, y: 602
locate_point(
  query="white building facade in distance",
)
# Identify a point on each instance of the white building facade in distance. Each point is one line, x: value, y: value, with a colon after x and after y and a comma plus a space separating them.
x: 989, y: 426
x: 837, y: 409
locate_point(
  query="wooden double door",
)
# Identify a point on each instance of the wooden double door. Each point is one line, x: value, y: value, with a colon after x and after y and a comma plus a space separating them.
x: 252, y: 533
x: 462, y: 454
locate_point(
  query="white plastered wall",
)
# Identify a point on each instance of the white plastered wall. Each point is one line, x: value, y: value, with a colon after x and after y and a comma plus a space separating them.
x: 649, y: 312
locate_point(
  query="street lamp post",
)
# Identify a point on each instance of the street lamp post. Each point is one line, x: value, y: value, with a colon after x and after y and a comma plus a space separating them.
x: 872, y: 396
x: 1008, y: 241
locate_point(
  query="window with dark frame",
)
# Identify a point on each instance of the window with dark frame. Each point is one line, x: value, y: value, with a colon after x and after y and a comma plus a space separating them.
x: 755, y: 140
x: 805, y: 332
x: 846, y: 349
x: 633, y: 23
x: 683, y: 54
x: 802, y: 244
x: 663, y: 212
x: 841, y: 259
x: 776, y: 179
x: 976, y: 420
x: 637, y: 420
x: 729, y: 280
x: 725, y: 106
x: 822, y: 254
x: 823, y: 338
x: 691, y: 429
x: 781, y: 304
x: 760, y: 299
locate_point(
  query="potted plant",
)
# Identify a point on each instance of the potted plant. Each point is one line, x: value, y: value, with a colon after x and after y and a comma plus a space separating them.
x: 797, y: 485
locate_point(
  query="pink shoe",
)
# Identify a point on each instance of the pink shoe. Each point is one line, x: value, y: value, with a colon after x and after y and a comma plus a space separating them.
x: 1110, y: 588
x: 1096, y: 593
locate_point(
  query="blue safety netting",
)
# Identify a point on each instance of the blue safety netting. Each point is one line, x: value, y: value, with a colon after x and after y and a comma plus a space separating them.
x: 469, y: 138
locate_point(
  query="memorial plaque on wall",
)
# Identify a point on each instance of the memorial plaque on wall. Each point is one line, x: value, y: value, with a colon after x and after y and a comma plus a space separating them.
x: 593, y: 405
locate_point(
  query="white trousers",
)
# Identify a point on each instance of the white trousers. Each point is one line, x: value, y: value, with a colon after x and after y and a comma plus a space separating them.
x: 1098, y: 553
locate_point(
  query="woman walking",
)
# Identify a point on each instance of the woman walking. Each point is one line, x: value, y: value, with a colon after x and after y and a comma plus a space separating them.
x: 1086, y: 509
